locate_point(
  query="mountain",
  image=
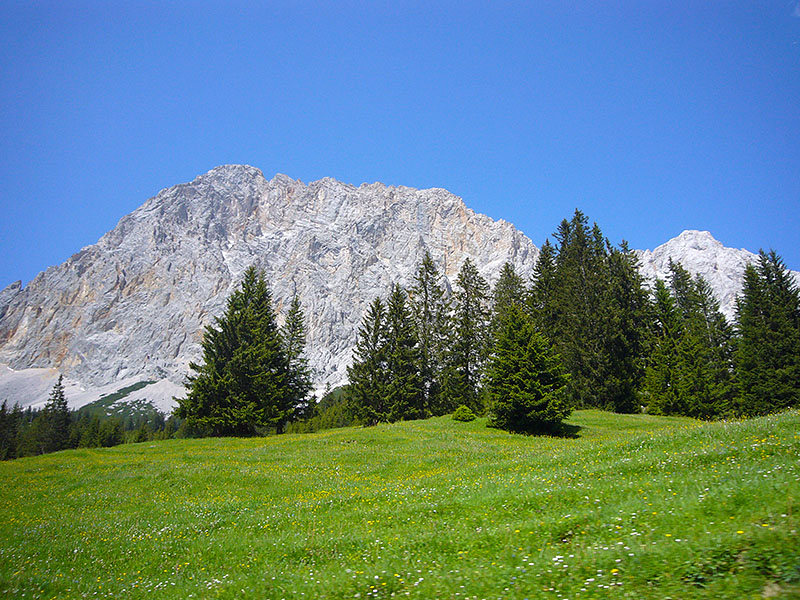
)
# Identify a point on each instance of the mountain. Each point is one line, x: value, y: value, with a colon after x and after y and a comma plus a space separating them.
x: 128, y: 312
x: 700, y: 253
x: 132, y: 307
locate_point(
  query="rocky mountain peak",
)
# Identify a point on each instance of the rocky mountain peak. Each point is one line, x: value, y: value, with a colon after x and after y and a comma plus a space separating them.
x: 133, y: 306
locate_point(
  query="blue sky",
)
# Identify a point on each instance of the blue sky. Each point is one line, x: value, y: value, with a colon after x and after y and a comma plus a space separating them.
x: 652, y: 117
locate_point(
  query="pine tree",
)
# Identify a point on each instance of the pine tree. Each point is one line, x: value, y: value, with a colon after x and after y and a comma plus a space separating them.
x: 526, y: 381
x: 703, y: 346
x: 768, y: 353
x: 293, y: 335
x: 10, y: 422
x: 404, y: 390
x: 242, y: 387
x: 430, y: 307
x: 368, y: 375
x: 469, y: 344
x: 578, y: 306
x: 712, y: 355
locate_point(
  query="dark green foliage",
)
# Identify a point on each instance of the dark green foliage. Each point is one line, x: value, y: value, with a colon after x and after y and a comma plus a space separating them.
x: 333, y: 411
x: 368, y: 374
x: 468, y: 345
x: 589, y: 299
x: 385, y: 381
x: 293, y: 335
x: 243, y: 386
x: 542, y: 303
x: 690, y: 370
x: 405, y: 396
x: 430, y: 311
x: 55, y: 420
x: 624, y: 326
x: 525, y: 379
x: 463, y: 414
x: 11, y: 423
x: 768, y: 352
x: 662, y: 390
x: 509, y: 291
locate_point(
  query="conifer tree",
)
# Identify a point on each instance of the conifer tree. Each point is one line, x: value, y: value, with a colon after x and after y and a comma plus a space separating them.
x: 404, y: 390
x: 662, y: 389
x: 55, y: 420
x: 541, y: 300
x: 578, y: 303
x: 624, y: 331
x: 242, y: 386
x: 768, y: 352
x: 468, y: 346
x: 589, y: 298
x: 368, y: 375
x: 10, y: 422
x: 293, y: 335
x: 430, y: 307
x: 509, y: 291
x: 525, y: 378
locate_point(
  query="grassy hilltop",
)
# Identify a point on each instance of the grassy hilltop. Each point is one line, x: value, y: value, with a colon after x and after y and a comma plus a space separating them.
x: 634, y: 506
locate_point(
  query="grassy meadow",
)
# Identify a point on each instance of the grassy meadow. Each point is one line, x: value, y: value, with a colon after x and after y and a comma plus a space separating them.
x: 634, y: 506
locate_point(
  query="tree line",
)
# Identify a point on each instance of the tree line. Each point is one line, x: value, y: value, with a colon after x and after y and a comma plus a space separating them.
x: 586, y: 331
x: 29, y: 432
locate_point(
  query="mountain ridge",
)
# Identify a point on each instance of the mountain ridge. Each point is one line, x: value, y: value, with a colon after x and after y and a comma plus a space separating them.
x: 133, y: 306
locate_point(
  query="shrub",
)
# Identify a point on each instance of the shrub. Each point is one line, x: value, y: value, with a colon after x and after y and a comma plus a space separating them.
x: 463, y: 413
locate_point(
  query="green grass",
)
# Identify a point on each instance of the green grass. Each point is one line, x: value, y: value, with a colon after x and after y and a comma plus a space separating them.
x: 634, y: 506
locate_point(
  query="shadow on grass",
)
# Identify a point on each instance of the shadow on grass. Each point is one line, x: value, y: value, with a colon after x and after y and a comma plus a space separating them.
x: 565, y: 430
x: 560, y: 430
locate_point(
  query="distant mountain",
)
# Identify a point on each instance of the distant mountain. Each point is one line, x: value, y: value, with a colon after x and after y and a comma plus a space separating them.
x: 700, y: 253
x: 132, y: 308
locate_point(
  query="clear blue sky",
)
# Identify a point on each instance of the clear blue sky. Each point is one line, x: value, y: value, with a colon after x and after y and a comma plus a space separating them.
x: 652, y: 117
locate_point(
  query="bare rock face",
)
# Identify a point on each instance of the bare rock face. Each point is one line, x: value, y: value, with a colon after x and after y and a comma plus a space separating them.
x: 133, y: 306
x: 701, y: 254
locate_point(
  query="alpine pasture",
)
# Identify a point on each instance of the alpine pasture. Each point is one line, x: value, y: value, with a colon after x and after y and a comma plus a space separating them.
x: 630, y: 506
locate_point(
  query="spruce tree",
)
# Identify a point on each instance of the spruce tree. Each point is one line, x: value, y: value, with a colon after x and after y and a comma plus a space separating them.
x: 469, y: 343
x: 430, y: 307
x: 542, y: 303
x: 55, y: 420
x: 768, y: 352
x: 293, y: 335
x: 624, y: 326
x: 368, y: 375
x: 509, y: 291
x: 242, y: 386
x: 404, y: 390
x: 662, y: 389
x: 525, y: 379
x: 704, y: 376
x: 578, y: 331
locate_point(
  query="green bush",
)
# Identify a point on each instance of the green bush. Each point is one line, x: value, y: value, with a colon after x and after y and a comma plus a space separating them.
x: 463, y: 413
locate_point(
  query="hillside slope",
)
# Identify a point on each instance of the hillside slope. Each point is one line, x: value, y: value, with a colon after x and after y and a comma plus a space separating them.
x: 634, y: 506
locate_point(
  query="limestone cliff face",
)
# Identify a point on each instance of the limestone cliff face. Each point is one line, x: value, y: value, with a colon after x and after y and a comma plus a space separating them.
x: 134, y: 305
x: 701, y: 254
